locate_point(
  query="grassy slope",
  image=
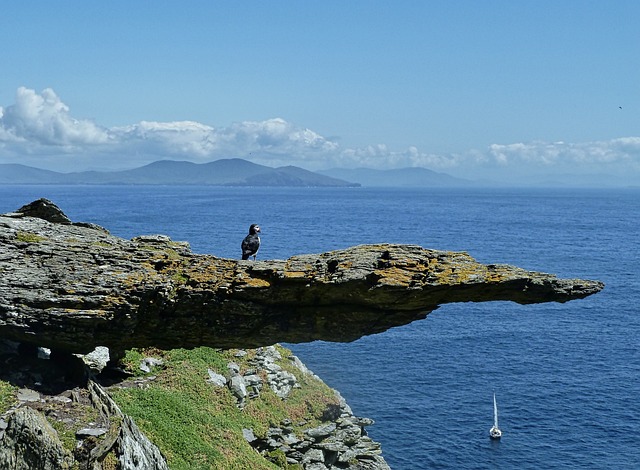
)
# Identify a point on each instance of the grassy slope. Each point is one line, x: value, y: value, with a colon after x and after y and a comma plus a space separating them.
x: 197, y: 425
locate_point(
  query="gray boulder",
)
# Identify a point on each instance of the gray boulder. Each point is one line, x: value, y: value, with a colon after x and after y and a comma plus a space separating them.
x: 30, y: 442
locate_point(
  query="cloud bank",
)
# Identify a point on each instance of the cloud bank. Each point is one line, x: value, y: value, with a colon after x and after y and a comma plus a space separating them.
x: 42, y: 121
x: 39, y: 130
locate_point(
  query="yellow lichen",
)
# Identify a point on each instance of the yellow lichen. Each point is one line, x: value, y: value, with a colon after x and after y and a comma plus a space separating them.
x: 394, y: 276
x: 295, y: 274
x: 256, y: 282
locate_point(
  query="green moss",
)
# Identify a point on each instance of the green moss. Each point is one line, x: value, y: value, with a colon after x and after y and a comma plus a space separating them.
x: 179, y: 277
x: 110, y: 462
x: 101, y: 244
x: 67, y: 435
x: 29, y: 237
x: 7, y: 396
x: 169, y: 253
x: 131, y: 361
x: 67, y: 429
x: 172, y: 254
x: 198, y: 426
x: 278, y: 457
x: 191, y: 429
x: 134, y: 357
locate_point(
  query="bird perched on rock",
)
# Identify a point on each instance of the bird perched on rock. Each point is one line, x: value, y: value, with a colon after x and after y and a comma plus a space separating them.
x: 251, y: 242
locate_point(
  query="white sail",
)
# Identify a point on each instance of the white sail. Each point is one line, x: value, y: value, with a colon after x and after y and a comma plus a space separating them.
x: 495, y: 432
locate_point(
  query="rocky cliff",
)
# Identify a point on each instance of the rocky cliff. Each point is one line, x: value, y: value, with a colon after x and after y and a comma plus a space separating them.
x: 71, y: 287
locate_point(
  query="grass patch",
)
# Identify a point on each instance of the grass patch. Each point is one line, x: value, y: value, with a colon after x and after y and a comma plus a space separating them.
x: 133, y: 357
x: 198, y: 426
x: 67, y: 429
x: 169, y: 253
x: 29, y: 237
x: 132, y: 360
x: 66, y: 434
x: 7, y: 396
x: 102, y: 244
x: 179, y: 277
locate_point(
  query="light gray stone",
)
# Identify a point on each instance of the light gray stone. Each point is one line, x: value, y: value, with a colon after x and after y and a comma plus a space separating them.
x: 216, y: 379
x: 89, y: 432
x: 135, y: 451
x: 97, y: 359
x: 26, y: 394
x: 252, y: 379
x: 61, y: 399
x: 321, y: 431
x: 316, y: 466
x: 249, y: 435
x: 238, y: 387
x: 313, y: 455
x: 150, y: 363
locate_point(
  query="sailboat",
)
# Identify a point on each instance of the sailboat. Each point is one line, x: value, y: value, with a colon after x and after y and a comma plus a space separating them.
x: 495, y: 432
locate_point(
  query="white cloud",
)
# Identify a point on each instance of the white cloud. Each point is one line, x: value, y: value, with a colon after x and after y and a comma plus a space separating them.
x: 273, y: 137
x: 615, y: 151
x: 39, y: 130
x: 43, y: 120
x: 380, y: 156
x: 166, y: 139
x: 273, y: 141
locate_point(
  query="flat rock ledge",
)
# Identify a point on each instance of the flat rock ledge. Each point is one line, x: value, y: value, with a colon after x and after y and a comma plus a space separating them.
x: 73, y: 286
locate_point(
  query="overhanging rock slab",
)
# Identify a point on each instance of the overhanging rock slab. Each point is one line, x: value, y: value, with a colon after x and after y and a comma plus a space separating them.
x: 72, y: 287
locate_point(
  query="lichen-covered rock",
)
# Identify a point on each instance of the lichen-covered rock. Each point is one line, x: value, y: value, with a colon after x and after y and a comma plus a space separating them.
x: 71, y: 287
x: 46, y: 210
x: 342, y: 443
x: 133, y: 449
x: 136, y: 452
x: 30, y: 442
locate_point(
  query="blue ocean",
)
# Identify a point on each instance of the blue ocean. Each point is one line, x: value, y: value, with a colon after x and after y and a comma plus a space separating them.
x: 566, y: 376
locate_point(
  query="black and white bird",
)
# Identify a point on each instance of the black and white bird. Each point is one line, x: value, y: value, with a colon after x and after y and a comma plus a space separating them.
x: 251, y: 243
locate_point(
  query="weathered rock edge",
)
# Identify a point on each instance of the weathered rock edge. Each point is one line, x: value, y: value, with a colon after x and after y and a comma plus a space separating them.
x: 71, y: 287
x: 31, y: 442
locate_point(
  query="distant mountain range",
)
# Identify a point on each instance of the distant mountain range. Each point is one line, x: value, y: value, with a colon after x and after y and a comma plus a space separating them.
x: 401, y: 177
x: 239, y: 172
x: 232, y: 172
x: 226, y: 172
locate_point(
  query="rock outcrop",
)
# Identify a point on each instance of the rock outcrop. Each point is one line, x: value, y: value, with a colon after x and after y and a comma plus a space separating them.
x: 61, y: 426
x: 71, y: 287
x: 340, y: 442
x: 29, y: 441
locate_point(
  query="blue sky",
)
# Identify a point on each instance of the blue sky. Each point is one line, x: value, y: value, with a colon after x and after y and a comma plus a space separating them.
x: 504, y: 89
